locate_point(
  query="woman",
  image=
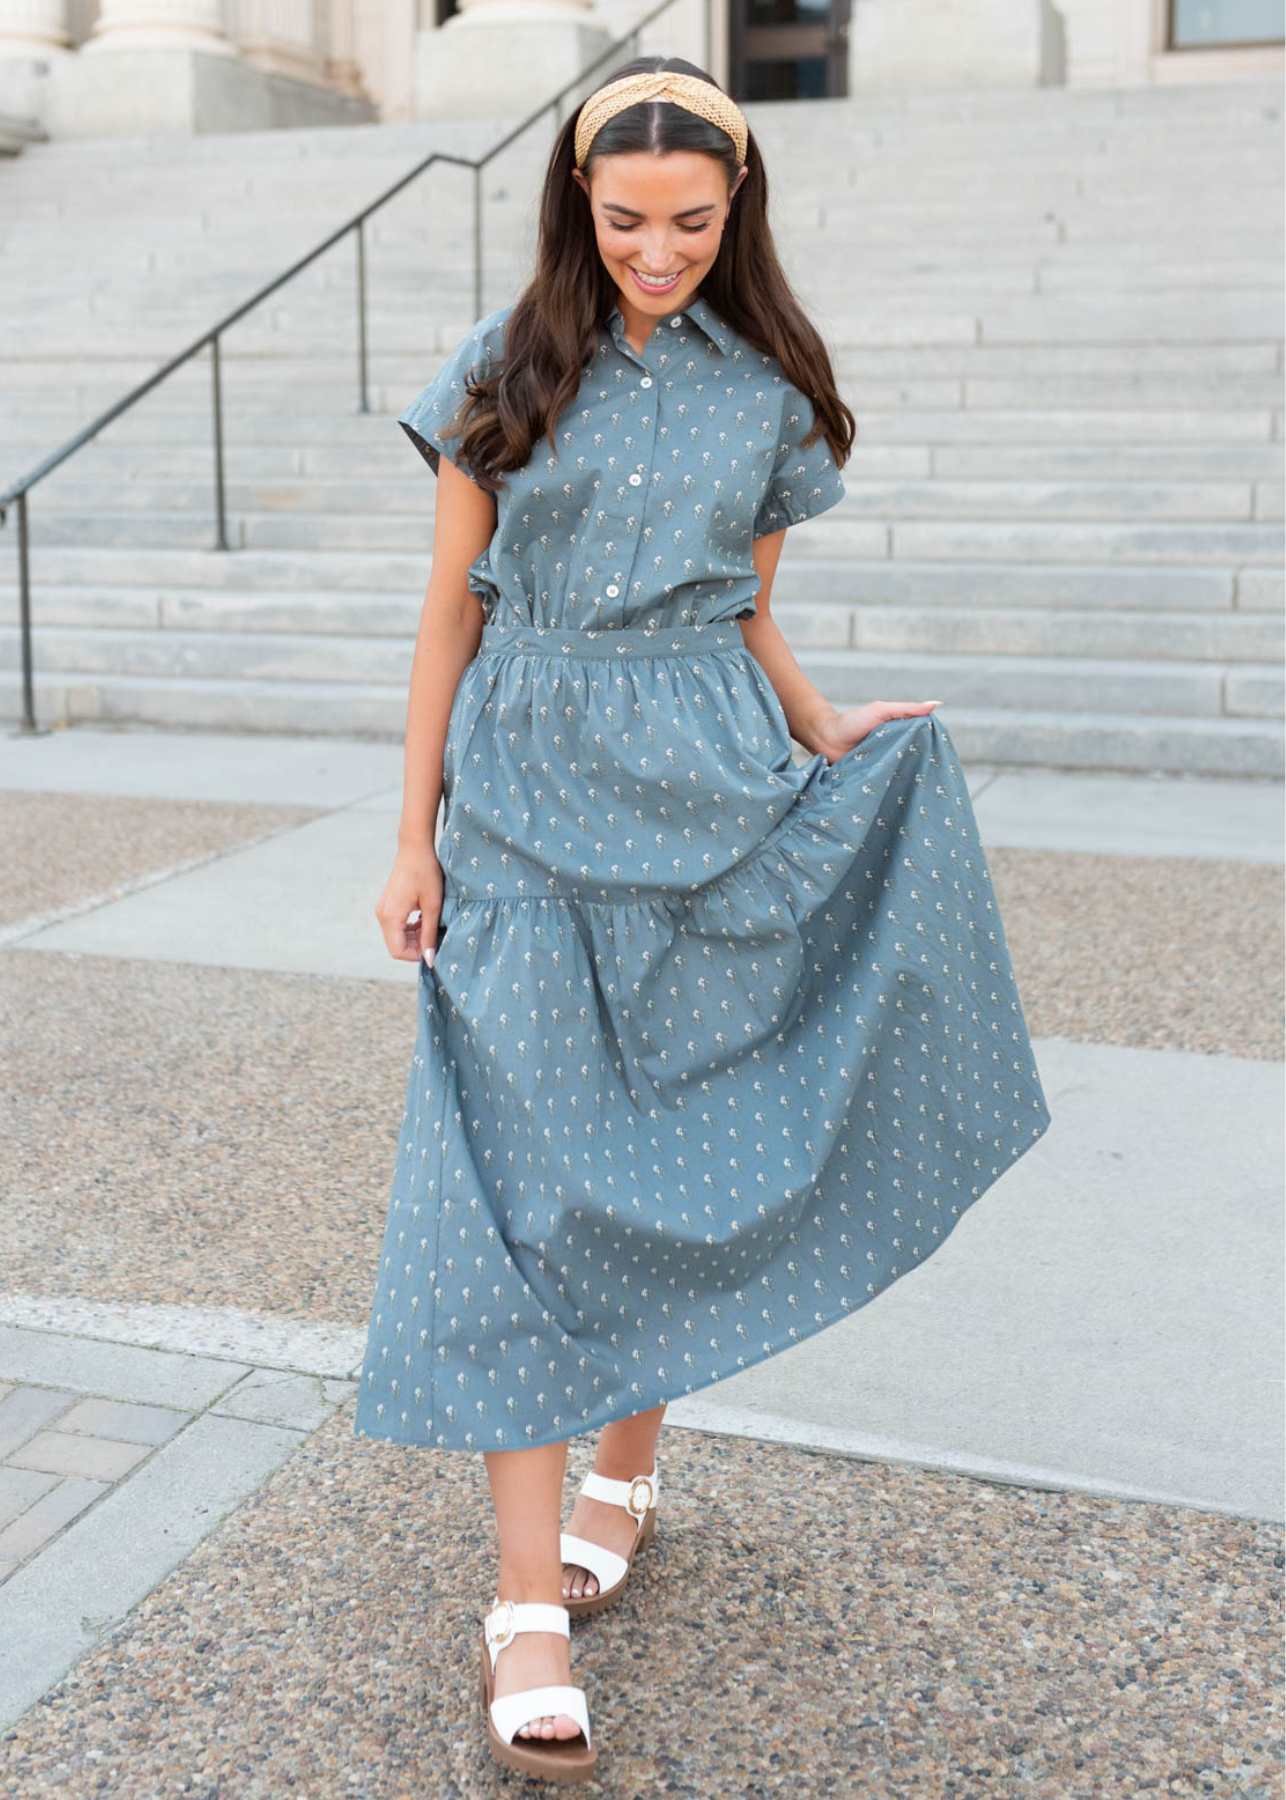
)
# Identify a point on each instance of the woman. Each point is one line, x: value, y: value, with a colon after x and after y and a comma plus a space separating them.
x: 715, y: 1045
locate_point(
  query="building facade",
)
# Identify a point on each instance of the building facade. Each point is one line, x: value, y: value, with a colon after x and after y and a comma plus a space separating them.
x: 92, y: 67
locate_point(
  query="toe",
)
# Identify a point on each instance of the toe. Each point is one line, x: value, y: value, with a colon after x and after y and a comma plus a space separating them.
x: 578, y: 1582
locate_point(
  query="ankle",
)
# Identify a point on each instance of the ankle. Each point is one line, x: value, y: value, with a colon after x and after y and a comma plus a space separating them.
x: 521, y: 1586
x: 615, y: 1467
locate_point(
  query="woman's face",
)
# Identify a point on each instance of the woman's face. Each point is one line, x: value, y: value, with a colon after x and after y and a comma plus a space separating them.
x: 660, y: 216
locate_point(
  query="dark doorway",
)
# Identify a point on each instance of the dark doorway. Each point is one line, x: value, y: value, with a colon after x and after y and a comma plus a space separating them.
x: 789, y: 49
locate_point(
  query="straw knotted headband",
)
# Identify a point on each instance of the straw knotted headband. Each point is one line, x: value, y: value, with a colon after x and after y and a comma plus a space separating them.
x: 700, y: 97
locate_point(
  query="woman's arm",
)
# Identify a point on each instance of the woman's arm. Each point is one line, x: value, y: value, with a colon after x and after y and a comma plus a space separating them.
x: 813, y: 721
x: 807, y: 714
x: 447, y: 641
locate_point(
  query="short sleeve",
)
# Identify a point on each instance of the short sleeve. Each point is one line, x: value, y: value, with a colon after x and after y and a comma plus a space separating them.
x: 429, y: 419
x: 803, y: 482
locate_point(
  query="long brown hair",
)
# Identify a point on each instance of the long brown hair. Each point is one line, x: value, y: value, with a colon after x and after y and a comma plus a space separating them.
x: 551, y: 335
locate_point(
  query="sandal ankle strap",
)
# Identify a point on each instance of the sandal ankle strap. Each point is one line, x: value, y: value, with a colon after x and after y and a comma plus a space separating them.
x: 508, y: 1617
x: 638, y: 1495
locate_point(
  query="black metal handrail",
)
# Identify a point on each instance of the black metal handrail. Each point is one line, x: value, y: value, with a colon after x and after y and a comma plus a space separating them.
x: 17, y: 494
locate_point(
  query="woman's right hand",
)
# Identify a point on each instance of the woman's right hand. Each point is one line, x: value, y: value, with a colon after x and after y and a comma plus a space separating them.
x: 415, y: 880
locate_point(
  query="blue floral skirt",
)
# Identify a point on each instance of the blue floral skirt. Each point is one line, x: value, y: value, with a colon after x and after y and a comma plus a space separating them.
x: 716, y: 1044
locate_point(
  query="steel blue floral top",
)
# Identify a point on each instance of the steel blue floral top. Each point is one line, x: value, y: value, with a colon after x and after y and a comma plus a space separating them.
x: 671, y: 460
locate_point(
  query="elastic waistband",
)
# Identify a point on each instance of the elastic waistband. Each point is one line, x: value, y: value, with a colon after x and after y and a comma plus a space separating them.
x: 626, y: 640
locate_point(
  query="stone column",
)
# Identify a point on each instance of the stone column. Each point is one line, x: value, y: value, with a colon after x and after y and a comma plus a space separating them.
x: 286, y: 37
x: 160, y: 25
x: 33, y: 27
x: 35, y: 47
x: 342, y: 67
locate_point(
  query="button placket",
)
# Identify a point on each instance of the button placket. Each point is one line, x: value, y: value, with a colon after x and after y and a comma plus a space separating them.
x: 637, y: 478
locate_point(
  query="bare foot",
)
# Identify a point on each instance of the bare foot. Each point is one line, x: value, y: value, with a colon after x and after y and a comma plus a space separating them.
x: 602, y: 1523
x: 537, y: 1659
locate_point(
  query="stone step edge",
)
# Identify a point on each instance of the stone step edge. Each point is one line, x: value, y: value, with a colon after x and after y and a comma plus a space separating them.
x: 836, y: 517
x: 1091, y: 742
x: 1240, y: 725
x: 239, y: 604
x: 839, y: 656
x: 309, y: 494
x: 828, y: 567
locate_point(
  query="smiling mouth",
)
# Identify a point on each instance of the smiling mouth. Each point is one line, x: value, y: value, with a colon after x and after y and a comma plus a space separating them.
x: 651, y: 285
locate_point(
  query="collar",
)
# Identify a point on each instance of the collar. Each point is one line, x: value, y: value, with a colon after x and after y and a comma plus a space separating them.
x: 699, y: 311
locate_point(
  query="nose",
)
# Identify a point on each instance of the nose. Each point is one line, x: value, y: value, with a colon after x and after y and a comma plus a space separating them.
x: 657, y: 257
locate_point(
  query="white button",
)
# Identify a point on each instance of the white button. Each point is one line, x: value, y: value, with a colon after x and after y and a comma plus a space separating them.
x: 612, y: 591
x: 635, y: 480
x: 677, y: 319
x: 645, y: 381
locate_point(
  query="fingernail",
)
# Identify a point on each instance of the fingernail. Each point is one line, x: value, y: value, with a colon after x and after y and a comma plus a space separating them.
x: 428, y: 957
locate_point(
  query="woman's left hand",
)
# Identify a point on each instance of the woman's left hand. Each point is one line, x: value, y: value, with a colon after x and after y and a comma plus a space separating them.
x: 844, y: 729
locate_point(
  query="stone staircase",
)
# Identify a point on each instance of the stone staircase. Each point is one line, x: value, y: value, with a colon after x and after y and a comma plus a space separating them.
x: 16, y: 133
x: 1057, y: 316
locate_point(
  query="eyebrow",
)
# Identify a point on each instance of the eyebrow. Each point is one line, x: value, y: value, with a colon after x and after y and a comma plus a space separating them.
x: 613, y: 206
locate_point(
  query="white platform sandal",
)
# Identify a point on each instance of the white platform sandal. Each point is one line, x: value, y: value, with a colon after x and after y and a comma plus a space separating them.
x: 638, y: 1496
x: 550, y: 1759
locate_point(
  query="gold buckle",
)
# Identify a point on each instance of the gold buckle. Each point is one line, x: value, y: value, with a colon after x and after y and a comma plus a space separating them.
x: 500, y: 1637
x: 632, y: 1505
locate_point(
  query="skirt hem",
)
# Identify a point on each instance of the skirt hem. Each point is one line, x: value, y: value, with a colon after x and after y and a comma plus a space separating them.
x: 612, y: 1411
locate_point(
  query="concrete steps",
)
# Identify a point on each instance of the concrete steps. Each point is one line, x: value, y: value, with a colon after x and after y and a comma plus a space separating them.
x: 1086, y: 740
x: 78, y: 584
x: 16, y: 133
x: 974, y: 676
x: 189, y: 459
x: 887, y: 501
x: 1109, y: 394
x: 1056, y: 315
x: 1015, y: 539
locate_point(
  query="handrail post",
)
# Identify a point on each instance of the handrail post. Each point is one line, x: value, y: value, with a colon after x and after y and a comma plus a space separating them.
x: 221, y: 522
x: 365, y: 404
x: 28, y: 726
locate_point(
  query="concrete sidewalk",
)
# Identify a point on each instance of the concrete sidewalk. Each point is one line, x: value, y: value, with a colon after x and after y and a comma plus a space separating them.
x: 233, y: 905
